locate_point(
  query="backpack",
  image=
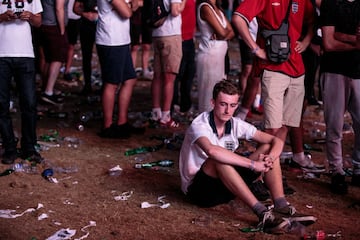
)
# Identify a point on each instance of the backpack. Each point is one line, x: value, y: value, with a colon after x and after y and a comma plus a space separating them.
x: 154, y: 13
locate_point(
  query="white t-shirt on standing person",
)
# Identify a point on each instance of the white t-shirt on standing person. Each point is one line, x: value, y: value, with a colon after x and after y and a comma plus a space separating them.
x: 15, y: 36
x: 171, y: 26
x: 111, y: 29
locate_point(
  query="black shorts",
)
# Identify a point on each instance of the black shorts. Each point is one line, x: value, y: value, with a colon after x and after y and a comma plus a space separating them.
x: 115, y: 63
x: 246, y: 55
x: 140, y: 34
x: 73, y: 30
x: 206, y: 191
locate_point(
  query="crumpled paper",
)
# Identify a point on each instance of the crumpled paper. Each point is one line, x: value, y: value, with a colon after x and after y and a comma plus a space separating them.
x: 161, y: 203
x: 9, y: 213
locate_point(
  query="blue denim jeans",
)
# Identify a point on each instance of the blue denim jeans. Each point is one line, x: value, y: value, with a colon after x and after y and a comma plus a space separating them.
x: 22, y: 70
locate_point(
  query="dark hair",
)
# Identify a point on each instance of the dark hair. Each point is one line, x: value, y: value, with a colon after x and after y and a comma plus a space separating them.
x: 225, y: 86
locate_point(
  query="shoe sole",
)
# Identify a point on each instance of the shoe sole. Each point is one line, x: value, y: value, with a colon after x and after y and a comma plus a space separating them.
x: 313, y: 170
x: 279, y: 229
x: 49, y: 101
x: 304, y: 220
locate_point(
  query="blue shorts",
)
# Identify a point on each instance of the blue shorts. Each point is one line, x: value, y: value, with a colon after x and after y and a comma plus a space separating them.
x: 115, y: 63
x: 206, y: 191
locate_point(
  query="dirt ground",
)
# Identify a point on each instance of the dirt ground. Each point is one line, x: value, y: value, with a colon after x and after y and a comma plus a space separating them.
x: 98, y: 205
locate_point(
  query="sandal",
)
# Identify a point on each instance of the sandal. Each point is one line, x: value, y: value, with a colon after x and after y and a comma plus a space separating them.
x: 170, y: 124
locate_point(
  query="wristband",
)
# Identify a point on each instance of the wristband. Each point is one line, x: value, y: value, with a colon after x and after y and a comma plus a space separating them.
x: 252, y: 165
x: 255, y: 50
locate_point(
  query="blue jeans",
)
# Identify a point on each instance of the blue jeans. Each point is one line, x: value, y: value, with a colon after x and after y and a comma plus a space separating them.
x: 23, y: 72
x: 185, y: 76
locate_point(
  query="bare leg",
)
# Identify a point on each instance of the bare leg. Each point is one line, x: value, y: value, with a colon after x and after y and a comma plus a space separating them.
x: 145, y: 56
x: 244, y: 76
x: 134, y: 52
x: 69, y: 59
x: 156, y: 89
x: 231, y: 179
x: 168, y: 91
x: 108, y: 102
x: 124, y: 98
x: 53, y: 73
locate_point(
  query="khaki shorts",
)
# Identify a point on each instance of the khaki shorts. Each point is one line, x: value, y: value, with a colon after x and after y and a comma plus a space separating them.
x: 167, y: 54
x: 283, y: 98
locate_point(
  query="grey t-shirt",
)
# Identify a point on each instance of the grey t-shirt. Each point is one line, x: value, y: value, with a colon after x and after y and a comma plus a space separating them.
x: 49, y: 14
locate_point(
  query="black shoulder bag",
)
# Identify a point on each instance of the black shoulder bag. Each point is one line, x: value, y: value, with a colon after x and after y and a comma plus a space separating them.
x: 277, y: 42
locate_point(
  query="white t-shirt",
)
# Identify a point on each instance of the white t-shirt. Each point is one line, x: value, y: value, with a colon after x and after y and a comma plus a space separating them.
x: 71, y: 13
x: 15, y: 36
x: 171, y: 26
x: 253, y: 29
x: 192, y: 157
x: 111, y: 29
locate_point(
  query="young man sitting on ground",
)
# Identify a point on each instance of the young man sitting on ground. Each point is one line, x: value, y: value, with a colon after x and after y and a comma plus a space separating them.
x: 212, y: 174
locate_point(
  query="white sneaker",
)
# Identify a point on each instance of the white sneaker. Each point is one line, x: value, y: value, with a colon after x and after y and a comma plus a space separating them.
x: 147, y: 74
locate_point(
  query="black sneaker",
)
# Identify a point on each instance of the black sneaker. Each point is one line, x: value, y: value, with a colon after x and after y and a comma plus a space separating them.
x: 270, y: 223
x: 134, y: 130
x: 289, y: 213
x: 338, y: 184
x: 355, y: 180
x: 123, y: 131
x: 32, y: 157
x: 68, y: 76
x: 109, y: 132
x: 259, y: 190
x: 53, y: 99
x: 9, y: 157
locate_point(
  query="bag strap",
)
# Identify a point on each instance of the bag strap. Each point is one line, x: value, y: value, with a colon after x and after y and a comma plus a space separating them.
x: 288, y: 12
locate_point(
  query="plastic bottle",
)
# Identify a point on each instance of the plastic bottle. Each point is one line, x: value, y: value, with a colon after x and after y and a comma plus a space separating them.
x: 86, y: 116
x: 24, y: 167
x: 61, y: 115
x: 71, y: 169
x: 48, y: 175
x: 136, y: 151
x: 161, y: 163
x: 80, y: 127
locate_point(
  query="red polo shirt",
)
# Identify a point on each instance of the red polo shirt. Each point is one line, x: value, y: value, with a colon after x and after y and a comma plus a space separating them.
x: 270, y: 14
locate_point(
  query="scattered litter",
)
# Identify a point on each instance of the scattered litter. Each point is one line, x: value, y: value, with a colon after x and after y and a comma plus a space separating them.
x: 335, y: 235
x: 8, y: 213
x: 48, y: 144
x: 42, y: 216
x: 62, y: 234
x: 115, y: 171
x: 67, y: 201
x: 309, y: 206
x: 124, y: 196
x: 161, y: 203
x: 91, y: 224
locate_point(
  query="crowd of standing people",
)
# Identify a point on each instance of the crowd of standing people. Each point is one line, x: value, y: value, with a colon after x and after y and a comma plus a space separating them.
x: 39, y: 37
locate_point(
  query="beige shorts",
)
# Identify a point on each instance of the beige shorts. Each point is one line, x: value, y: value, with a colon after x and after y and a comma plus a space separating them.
x: 167, y: 54
x: 283, y: 98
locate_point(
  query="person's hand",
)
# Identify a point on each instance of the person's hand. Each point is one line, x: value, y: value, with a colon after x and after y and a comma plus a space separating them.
x: 260, y: 53
x: 91, y: 16
x: 264, y: 163
x: 300, y: 46
x: 25, y: 16
x: 8, y: 16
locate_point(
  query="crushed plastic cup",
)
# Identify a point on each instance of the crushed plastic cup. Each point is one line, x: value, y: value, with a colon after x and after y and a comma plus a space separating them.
x: 115, y: 171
